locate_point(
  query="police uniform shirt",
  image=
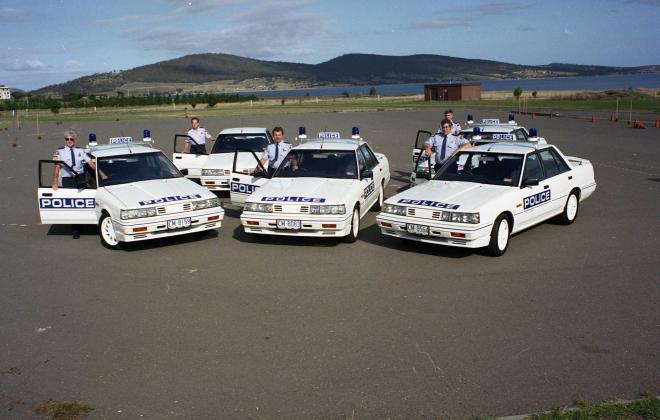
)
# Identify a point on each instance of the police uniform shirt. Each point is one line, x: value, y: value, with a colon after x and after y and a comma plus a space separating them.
x: 198, y: 135
x: 455, y: 128
x: 453, y: 143
x: 64, y: 154
x: 269, y: 153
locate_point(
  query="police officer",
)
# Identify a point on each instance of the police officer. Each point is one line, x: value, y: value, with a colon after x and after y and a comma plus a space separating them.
x: 446, y: 144
x: 200, y: 135
x: 75, y: 158
x: 275, y: 152
x: 455, y: 127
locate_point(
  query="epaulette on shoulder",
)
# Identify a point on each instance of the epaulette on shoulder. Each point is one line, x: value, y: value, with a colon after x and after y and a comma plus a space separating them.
x: 60, y: 148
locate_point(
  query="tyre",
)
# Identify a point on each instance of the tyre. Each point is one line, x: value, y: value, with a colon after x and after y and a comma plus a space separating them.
x: 107, y: 233
x: 571, y: 208
x: 499, y: 236
x: 378, y: 205
x: 355, y: 227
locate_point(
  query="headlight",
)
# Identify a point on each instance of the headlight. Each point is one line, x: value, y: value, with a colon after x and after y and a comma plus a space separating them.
x: 338, y: 209
x: 394, y: 209
x: 137, y: 213
x: 259, y: 207
x: 205, y: 204
x: 457, y: 217
x: 212, y: 172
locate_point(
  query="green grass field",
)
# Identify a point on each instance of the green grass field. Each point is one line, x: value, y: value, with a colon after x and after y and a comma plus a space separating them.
x: 645, y: 104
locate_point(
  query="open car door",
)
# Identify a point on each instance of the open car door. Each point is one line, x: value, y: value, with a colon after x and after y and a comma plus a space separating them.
x: 245, y: 182
x: 423, y: 170
x: 66, y: 206
x: 422, y: 136
x: 190, y: 161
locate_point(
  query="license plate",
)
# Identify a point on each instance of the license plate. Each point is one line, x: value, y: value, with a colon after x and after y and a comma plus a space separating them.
x: 178, y: 223
x: 288, y: 224
x: 417, y: 229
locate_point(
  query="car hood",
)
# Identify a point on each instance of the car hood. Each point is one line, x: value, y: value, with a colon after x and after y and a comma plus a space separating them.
x: 245, y: 160
x: 461, y: 196
x: 311, y: 190
x: 158, y: 192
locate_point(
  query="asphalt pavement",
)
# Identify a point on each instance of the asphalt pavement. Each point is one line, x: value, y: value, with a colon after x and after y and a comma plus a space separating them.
x: 229, y: 325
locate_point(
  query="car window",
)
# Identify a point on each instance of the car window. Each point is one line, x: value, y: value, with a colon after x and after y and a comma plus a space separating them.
x: 483, y: 168
x: 521, y: 135
x: 549, y: 164
x: 124, y: 169
x: 338, y: 164
x: 369, y: 157
x: 228, y: 143
x: 362, y: 164
x: 563, y: 166
x: 533, y: 169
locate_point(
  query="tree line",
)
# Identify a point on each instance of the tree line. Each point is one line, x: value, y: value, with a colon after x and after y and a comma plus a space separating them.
x: 21, y: 100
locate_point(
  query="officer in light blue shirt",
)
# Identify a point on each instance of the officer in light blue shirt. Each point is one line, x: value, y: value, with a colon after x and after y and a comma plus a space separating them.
x: 199, y: 136
x: 275, y: 152
x: 72, y: 156
x: 446, y: 144
x: 455, y: 127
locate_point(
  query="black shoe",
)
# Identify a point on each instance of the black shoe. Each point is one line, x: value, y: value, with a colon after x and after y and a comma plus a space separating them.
x: 76, y: 235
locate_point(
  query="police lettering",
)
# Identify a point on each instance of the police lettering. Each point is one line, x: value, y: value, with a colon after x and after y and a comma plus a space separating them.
x: 503, y: 137
x: 294, y: 199
x: 169, y: 199
x: 67, y: 203
x: 369, y: 190
x: 429, y: 203
x: 536, y: 199
x: 242, y: 188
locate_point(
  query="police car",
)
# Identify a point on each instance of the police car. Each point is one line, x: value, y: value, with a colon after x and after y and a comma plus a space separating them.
x: 136, y: 193
x: 216, y: 170
x: 323, y: 187
x: 500, y: 189
x: 488, y: 131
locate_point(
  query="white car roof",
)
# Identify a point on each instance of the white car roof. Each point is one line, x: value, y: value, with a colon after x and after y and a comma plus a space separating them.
x: 488, y: 128
x: 330, y: 144
x: 506, y: 147
x: 104, y: 150
x: 242, y: 130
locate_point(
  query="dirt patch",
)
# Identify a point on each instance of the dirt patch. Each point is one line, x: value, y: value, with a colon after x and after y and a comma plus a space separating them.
x: 63, y: 410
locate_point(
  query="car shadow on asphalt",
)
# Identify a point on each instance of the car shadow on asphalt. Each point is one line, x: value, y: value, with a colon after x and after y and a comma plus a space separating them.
x: 253, y: 238
x: 372, y: 235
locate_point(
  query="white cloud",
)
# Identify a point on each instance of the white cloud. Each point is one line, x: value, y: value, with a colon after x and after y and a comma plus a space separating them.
x: 569, y: 33
x: 25, y: 65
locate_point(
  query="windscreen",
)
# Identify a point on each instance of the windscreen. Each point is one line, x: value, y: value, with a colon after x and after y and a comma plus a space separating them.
x: 318, y: 163
x: 483, y: 168
x: 228, y: 143
x: 115, y: 170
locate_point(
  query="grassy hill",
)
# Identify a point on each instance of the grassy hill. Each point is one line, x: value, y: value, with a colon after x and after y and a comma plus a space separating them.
x: 349, y: 69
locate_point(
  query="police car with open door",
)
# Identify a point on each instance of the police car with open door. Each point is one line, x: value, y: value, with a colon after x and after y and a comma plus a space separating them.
x: 490, y: 130
x: 482, y: 195
x: 323, y: 187
x: 192, y: 163
x: 216, y: 171
x: 135, y: 194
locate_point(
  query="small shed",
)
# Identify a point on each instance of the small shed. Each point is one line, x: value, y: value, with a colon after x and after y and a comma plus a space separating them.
x: 452, y: 91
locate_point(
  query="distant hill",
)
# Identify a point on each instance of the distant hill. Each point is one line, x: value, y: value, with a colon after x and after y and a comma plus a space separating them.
x: 349, y: 69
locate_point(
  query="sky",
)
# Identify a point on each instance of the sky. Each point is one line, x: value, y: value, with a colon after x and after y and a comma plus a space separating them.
x: 53, y: 41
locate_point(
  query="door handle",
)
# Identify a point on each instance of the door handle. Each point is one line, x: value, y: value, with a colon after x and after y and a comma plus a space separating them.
x: 570, y: 177
x: 545, y: 187
x: 235, y: 179
x: 47, y: 194
x: 177, y: 157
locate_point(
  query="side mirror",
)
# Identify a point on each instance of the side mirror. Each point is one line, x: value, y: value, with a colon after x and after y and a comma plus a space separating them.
x: 259, y: 173
x: 427, y: 175
x: 367, y: 174
x: 528, y: 182
x: 184, y: 172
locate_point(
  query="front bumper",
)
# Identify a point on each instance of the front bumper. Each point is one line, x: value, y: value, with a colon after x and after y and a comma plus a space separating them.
x: 156, y: 227
x: 310, y: 225
x: 216, y: 183
x: 452, y: 234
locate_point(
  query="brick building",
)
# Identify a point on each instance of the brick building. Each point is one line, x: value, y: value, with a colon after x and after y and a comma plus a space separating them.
x: 452, y: 91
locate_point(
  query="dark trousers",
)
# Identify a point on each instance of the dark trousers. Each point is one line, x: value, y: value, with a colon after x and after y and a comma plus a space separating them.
x: 198, y: 149
x: 70, y: 182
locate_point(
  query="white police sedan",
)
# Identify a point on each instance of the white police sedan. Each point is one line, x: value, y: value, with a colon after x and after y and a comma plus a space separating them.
x: 322, y: 188
x: 484, y: 194
x: 136, y: 193
x: 216, y: 170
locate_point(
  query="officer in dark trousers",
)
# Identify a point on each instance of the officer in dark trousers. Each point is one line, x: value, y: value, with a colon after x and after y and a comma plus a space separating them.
x: 75, y: 158
x: 446, y: 144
